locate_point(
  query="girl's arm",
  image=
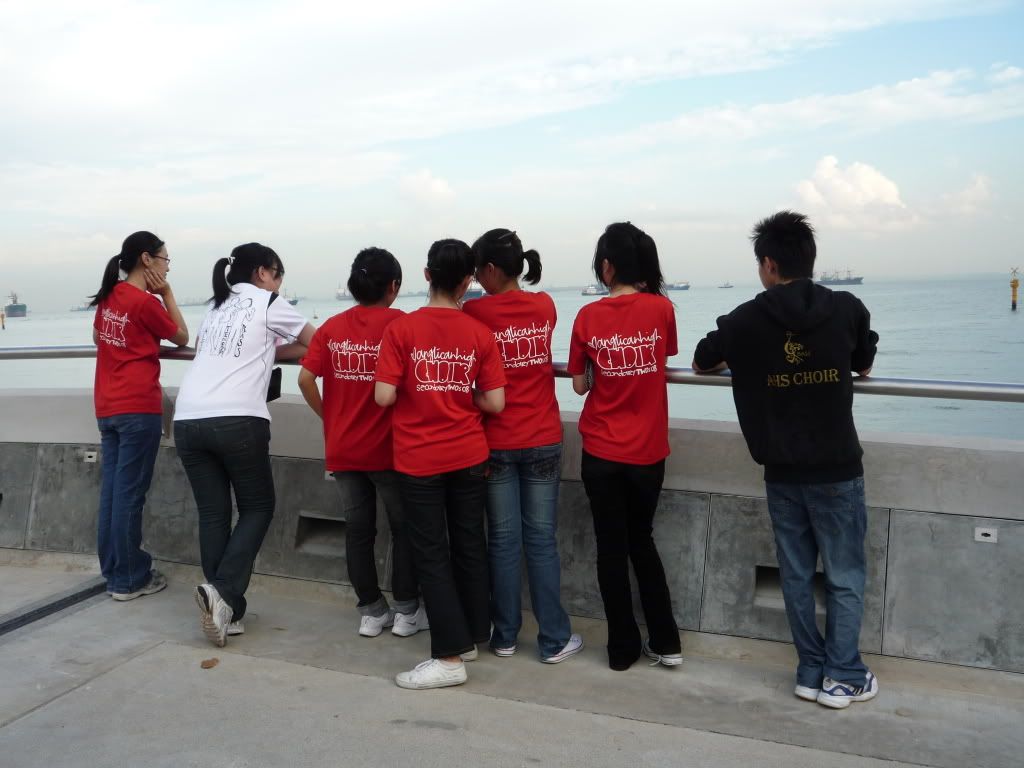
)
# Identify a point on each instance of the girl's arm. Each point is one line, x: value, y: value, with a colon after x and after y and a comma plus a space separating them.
x: 310, y: 391
x: 386, y: 394
x: 579, y: 383
x: 160, y: 286
x: 491, y: 401
x: 297, y: 349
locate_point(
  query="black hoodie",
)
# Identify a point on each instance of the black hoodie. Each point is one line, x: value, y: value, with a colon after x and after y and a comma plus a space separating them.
x: 792, y: 351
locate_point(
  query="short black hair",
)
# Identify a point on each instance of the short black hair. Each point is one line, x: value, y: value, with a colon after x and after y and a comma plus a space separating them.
x: 787, y: 238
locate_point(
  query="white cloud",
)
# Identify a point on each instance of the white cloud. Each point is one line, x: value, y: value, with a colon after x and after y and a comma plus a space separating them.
x: 1004, y: 73
x: 971, y: 200
x: 857, y: 197
x: 426, y: 188
x: 943, y: 95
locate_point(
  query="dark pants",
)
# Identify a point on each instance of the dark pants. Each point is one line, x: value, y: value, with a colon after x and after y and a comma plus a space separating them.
x: 128, y: 448
x: 358, y: 492
x: 445, y: 520
x: 222, y: 454
x: 623, y: 500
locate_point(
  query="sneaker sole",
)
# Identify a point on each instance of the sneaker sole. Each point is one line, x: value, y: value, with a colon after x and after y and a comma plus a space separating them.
x: 504, y: 652
x: 807, y: 694
x: 559, y: 657
x: 428, y: 686
x: 842, y: 702
x: 663, y: 661
x: 209, y: 628
x: 122, y: 597
x: 407, y: 633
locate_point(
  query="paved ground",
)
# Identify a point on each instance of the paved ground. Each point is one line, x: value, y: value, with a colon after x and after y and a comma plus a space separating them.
x: 23, y: 585
x: 108, y: 684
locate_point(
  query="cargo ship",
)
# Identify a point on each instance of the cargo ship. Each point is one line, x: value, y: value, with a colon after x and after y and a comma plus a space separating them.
x: 837, y: 278
x: 680, y: 285
x: 14, y: 307
x: 595, y: 290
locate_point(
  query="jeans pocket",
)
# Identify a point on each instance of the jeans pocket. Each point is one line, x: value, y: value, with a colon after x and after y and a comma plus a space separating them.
x: 480, y: 470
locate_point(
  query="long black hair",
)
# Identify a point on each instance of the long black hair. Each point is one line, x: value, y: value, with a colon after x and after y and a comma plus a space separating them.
x: 634, y: 255
x: 244, y: 260
x: 449, y: 263
x: 504, y: 249
x: 132, y: 249
x: 373, y: 270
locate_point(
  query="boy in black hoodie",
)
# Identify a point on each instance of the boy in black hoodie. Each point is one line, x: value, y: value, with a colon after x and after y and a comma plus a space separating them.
x: 792, y: 352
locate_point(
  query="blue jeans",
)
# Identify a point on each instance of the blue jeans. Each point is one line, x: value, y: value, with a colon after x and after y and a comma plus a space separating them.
x: 830, y: 520
x: 128, y: 444
x: 221, y: 455
x: 522, y: 515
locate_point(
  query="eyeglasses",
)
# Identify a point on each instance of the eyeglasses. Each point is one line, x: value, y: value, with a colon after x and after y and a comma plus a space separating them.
x: 278, y: 273
x: 163, y: 258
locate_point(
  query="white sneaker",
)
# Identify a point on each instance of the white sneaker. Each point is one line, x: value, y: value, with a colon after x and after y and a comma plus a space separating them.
x: 665, y: 659
x: 432, y: 673
x: 407, y: 624
x: 504, y: 652
x: 838, y: 695
x: 806, y: 693
x: 371, y: 626
x: 216, y: 614
x: 236, y: 628
x: 472, y: 655
x: 574, y: 646
x: 157, y: 582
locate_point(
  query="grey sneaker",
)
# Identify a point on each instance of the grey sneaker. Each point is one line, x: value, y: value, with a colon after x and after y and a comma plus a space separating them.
x: 574, y: 646
x: 838, y: 695
x: 157, y: 582
x: 216, y: 614
x: 407, y: 624
x: 665, y: 659
x: 432, y: 673
x: 806, y: 693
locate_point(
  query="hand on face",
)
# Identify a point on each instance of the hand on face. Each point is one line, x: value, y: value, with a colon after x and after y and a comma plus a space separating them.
x: 156, y: 283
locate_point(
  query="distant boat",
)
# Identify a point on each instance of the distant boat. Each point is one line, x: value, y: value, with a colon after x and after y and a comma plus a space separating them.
x: 837, y: 278
x: 15, y: 308
x: 475, y: 291
x: 596, y: 289
x: 86, y: 307
x: 293, y: 299
x: 342, y: 293
x: 726, y: 284
x: 682, y: 285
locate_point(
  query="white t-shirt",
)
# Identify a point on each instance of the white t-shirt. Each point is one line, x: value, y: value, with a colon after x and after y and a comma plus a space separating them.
x: 235, y: 355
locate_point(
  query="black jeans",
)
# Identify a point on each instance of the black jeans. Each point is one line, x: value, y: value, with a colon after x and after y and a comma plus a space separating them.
x: 623, y: 500
x: 358, y: 492
x: 443, y: 510
x: 222, y: 454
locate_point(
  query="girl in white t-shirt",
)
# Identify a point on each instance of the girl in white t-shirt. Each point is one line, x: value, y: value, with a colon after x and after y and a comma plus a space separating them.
x: 222, y: 425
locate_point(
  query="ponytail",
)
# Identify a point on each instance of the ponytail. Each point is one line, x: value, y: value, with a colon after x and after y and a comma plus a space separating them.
x: 244, y: 260
x: 532, y: 275
x: 634, y: 255
x: 504, y: 249
x: 221, y: 289
x: 132, y: 249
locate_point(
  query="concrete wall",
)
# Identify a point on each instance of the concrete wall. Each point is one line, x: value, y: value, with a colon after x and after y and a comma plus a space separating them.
x: 938, y: 588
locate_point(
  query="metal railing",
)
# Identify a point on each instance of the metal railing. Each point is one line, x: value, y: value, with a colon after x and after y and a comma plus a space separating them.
x: 934, y: 388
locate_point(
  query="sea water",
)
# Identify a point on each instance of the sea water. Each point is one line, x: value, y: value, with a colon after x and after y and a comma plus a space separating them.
x: 955, y: 329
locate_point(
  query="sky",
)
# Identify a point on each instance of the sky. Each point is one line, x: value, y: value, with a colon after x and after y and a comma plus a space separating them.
x: 322, y: 128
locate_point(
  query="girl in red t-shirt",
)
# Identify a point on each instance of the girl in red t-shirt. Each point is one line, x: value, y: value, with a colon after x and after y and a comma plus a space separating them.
x: 617, y: 354
x: 526, y: 450
x: 357, y: 441
x: 441, y: 371
x: 127, y: 329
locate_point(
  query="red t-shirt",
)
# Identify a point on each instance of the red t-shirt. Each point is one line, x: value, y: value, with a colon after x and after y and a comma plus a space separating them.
x: 627, y: 339
x: 435, y: 356
x: 357, y: 432
x: 522, y: 324
x: 130, y: 323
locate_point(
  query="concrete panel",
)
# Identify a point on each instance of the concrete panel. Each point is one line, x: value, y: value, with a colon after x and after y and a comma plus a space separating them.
x: 954, y: 599
x: 307, y: 538
x: 680, y: 531
x: 170, y: 523
x: 741, y: 592
x: 17, y: 471
x: 65, y: 499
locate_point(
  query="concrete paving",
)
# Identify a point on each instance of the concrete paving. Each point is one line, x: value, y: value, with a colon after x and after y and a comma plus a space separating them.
x: 119, y: 684
x: 28, y: 584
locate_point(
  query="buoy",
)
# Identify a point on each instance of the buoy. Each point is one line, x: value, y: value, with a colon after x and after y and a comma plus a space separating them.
x: 1014, y: 285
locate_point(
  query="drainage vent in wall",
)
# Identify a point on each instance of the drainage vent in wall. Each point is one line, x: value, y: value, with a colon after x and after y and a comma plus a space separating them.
x: 320, y: 535
x: 768, y: 590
